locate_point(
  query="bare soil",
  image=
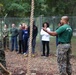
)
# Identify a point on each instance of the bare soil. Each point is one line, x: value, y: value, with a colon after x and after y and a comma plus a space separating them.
x: 17, y: 64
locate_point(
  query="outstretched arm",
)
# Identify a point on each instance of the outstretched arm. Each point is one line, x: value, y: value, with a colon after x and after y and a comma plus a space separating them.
x: 50, y: 32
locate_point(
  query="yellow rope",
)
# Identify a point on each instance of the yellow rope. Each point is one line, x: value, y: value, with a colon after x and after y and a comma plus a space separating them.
x: 30, y: 40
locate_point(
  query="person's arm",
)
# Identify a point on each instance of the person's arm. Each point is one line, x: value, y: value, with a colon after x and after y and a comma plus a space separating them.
x: 41, y: 32
x: 6, y: 34
x: 35, y: 32
x: 28, y: 31
x: 50, y: 32
x: 2, y: 33
x: 17, y: 32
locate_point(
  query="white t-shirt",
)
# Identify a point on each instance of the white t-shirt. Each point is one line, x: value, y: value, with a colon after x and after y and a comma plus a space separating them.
x: 45, y: 35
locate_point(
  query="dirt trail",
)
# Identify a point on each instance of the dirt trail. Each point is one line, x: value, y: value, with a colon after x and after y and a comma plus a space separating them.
x: 17, y: 64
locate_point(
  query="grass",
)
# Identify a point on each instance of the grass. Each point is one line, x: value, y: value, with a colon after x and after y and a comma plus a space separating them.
x: 74, y: 46
x: 53, y: 45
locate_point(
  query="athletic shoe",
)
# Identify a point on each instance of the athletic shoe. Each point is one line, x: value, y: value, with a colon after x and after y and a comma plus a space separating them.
x: 33, y: 55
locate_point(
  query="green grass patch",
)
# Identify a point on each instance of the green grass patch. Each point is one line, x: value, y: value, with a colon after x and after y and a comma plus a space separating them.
x: 53, y: 45
x: 73, y: 45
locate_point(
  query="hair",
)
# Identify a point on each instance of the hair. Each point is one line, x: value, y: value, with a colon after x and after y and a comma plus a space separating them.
x: 34, y: 23
x: 46, y: 24
x: 5, y: 25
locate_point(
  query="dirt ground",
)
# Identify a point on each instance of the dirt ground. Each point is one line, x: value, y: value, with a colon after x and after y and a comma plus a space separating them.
x: 17, y: 64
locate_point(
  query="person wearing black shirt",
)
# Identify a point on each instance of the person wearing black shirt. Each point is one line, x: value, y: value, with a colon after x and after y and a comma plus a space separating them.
x: 35, y: 32
x: 21, y: 44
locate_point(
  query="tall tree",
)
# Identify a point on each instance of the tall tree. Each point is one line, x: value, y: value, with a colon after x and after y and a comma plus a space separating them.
x: 21, y: 8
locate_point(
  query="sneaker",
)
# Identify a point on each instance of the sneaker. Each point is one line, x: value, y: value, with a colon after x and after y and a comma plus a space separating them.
x: 55, y: 55
x: 33, y: 55
x: 42, y: 55
x: 25, y: 54
x: 16, y: 50
x: 47, y: 55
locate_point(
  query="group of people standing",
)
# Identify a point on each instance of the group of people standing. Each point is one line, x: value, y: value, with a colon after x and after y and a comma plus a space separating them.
x: 24, y: 32
x: 20, y: 38
x: 63, y: 33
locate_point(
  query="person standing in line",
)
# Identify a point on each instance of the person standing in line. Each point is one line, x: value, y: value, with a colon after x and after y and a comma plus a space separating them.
x: 35, y: 32
x: 45, y: 39
x: 64, y: 33
x: 57, y: 36
x: 21, y: 44
x: 5, y: 37
x: 14, y: 34
x: 25, y: 39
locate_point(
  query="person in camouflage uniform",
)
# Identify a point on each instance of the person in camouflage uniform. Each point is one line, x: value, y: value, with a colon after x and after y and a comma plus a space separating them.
x: 2, y: 59
x: 5, y: 37
x: 3, y: 69
x: 64, y: 33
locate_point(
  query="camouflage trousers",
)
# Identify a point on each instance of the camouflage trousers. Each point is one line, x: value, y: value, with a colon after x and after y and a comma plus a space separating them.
x: 2, y: 60
x: 63, y: 59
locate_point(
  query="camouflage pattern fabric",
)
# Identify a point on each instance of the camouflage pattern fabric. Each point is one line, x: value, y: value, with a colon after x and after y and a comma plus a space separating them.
x: 2, y: 60
x: 63, y: 59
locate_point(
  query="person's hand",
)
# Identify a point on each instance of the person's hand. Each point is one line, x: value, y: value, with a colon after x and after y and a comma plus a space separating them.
x: 45, y: 29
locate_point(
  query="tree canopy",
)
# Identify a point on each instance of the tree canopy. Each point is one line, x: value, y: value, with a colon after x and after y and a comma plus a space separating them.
x: 21, y: 8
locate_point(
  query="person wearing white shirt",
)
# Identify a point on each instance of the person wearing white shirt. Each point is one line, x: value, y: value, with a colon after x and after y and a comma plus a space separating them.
x: 45, y: 39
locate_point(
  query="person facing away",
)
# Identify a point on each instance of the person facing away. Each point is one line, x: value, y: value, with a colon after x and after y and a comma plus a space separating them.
x: 59, y: 24
x: 5, y: 37
x: 21, y: 44
x: 35, y: 32
x: 45, y: 39
x: 25, y: 39
x: 14, y: 34
x: 64, y: 33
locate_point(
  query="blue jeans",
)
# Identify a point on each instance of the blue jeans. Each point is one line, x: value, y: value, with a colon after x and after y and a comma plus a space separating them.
x: 25, y: 45
x: 14, y: 43
x: 56, y: 40
x: 33, y: 45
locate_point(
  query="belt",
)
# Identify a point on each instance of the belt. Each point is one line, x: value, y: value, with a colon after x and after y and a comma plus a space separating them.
x: 63, y: 42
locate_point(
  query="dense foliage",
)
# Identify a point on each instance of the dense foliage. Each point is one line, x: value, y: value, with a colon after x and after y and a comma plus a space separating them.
x: 21, y: 8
